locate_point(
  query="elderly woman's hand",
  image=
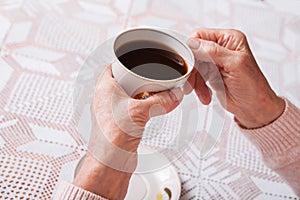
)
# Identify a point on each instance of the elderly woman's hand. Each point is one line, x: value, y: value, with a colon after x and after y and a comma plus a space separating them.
x: 118, y: 125
x: 226, y: 62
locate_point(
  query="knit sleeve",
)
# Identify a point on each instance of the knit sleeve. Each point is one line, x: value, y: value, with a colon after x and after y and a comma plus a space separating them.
x: 279, y: 145
x: 68, y: 191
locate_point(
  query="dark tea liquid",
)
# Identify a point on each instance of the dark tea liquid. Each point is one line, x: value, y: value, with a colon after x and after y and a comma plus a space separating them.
x: 152, y: 60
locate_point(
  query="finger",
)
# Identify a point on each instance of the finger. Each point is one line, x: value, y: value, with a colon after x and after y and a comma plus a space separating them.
x: 207, y: 34
x: 203, y: 68
x: 107, y: 74
x: 200, y: 67
x: 202, y: 91
x: 190, y: 84
x: 164, y: 102
x: 208, y: 51
x: 105, y: 78
x: 107, y: 84
x: 229, y: 38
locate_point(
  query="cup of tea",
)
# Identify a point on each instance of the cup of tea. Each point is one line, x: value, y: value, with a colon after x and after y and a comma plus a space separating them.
x: 149, y: 60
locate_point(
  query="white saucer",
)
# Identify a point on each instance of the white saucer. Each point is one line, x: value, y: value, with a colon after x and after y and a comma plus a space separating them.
x: 160, y: 184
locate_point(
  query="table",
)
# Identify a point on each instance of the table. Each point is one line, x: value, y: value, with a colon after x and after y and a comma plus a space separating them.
x: 44, y: 43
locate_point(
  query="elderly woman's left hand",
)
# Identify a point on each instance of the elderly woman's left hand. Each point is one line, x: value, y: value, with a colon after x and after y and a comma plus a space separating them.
x: 118, y: 125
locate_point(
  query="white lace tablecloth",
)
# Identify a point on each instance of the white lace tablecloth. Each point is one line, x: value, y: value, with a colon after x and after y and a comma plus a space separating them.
x: 44, y: 43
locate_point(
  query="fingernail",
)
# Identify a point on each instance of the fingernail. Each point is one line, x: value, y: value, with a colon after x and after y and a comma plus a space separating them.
x: 176, y: 94
x: 193, y: 43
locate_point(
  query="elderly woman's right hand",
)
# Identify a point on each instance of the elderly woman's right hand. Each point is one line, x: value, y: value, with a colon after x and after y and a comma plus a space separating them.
x: 242, y: 88
x: 117, y: 128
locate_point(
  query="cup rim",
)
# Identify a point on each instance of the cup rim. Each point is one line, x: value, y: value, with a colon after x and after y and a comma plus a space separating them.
x: 162, y: 32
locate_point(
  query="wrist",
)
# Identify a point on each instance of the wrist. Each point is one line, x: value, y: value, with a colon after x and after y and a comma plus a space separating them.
x: 102, y: 180
x: 264, y: 113
x: 116, y: 136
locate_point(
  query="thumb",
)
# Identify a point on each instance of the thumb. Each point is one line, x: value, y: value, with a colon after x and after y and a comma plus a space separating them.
x: 164, y: 102
x: 209, y: 51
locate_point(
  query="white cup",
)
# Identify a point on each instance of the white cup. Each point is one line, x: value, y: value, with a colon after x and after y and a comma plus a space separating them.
x: 135, y: 84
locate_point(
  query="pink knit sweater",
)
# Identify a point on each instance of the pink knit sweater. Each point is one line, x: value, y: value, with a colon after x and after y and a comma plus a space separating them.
x: 279, y: 144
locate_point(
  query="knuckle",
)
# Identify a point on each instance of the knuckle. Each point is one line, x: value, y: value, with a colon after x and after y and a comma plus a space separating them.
x: 238, y: 34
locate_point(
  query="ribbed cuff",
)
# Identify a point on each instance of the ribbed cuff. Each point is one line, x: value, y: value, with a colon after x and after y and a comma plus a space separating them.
x: 281, y: 135
x: 68, y: 191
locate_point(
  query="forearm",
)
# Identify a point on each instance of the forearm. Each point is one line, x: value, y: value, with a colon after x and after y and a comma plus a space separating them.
x: 279, y: 144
